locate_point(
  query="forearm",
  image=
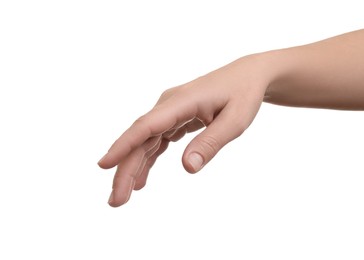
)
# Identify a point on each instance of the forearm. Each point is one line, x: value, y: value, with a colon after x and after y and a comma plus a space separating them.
x: 325, y: 74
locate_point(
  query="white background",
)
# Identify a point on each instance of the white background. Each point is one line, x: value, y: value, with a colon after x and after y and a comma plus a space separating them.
x: 75, y: 74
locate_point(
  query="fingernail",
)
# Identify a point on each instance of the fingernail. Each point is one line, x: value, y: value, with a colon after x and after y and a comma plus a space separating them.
x: 196, y: 161
x: 111, y: 198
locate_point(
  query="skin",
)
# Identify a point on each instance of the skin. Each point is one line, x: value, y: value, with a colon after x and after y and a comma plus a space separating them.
x: 326, y: 74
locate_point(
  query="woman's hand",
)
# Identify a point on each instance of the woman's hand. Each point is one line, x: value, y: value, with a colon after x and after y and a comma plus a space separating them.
x: 325, y: 74
x: 224, y: 101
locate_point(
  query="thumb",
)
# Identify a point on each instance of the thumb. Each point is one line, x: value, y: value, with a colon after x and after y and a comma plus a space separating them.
x: 227, y: 126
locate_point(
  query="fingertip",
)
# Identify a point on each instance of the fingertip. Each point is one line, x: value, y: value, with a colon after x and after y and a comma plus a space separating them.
x: 113, y: 202
x: 114, y: 205
x: 101, y: 161
x: 106, y: 162
x: 119, y: 196
x: 103, y: 165
x: 139, y: 185
x: 111, y: 198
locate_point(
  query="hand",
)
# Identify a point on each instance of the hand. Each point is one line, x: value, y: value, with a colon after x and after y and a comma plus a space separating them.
x: 224, y: 101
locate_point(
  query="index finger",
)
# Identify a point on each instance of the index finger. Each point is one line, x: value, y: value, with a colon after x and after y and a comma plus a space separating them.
x: 160, y: 119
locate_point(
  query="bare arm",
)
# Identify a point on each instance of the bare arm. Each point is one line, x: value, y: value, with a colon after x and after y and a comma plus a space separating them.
x: 326, y: 74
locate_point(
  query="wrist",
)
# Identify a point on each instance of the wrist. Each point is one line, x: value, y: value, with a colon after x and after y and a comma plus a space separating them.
x: 280, y: 66
x: 270, y: 67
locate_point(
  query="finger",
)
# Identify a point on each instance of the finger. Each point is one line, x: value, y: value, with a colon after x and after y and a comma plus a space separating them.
x: 194, y: 125
x: 145, y: 160
x: 142, y: 178
x: 228, y: 125
x: 177, y: 134
x: 128, y: 170
x: 169, y: 133
x: 172, y: 135
x: 159, y: 120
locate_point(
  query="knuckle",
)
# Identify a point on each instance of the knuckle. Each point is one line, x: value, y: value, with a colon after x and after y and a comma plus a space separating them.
x: 210, y: 145
x: 140, y: 120
x: 207, y: 119
x: 240, y: 126
x: 142, y: 124
x: 167, y: 93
